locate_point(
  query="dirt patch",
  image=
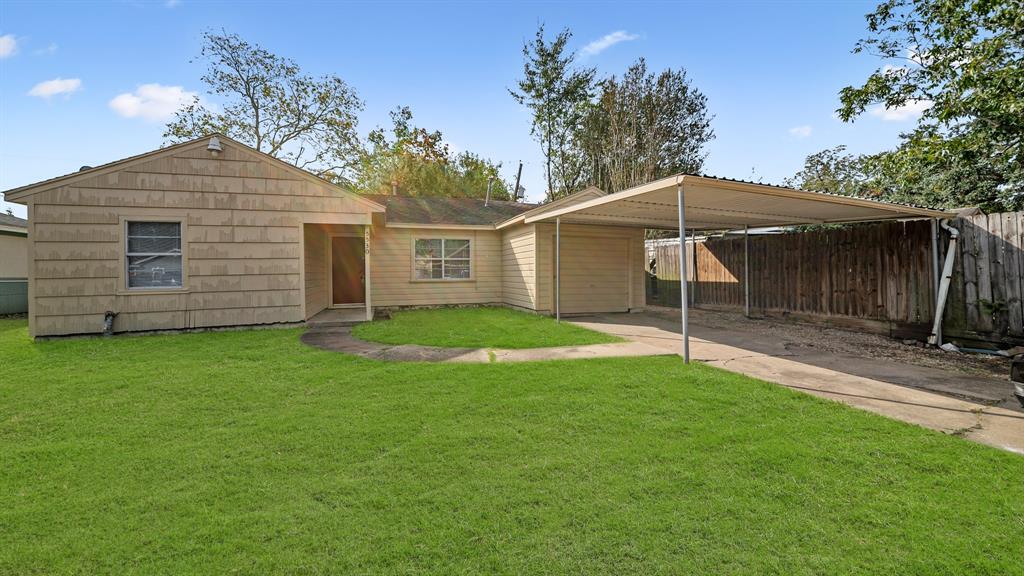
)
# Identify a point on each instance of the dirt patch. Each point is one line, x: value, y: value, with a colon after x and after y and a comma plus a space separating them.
x: 848, y: 342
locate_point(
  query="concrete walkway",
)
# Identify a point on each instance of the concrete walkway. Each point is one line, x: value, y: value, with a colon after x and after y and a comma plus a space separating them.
x: 340, y: 339
x: 897, y: 390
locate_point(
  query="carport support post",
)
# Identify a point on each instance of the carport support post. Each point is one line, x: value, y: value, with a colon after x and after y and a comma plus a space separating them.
x: 558, y: 269
x: 684, y: 296
x: 746, y: 271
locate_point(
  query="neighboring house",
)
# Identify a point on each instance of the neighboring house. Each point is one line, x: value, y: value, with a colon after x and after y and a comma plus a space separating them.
x: 13, y: 264
x: 213, y: 233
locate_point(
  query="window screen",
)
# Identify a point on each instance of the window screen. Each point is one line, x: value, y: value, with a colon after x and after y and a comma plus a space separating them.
x: 154, y: 255
x: 442, y: 259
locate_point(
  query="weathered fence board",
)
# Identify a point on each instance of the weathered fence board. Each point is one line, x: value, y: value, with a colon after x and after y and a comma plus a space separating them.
x: 881, y: 273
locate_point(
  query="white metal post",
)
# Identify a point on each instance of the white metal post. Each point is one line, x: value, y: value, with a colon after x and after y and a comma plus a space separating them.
x: 558, y: 269
x: 746, y: 271
x: 936, y: 278
x: 683, y: 296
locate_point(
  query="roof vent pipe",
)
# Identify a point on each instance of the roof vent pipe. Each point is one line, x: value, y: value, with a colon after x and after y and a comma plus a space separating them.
x: 519, y: 175
x: 935, y: 338
x: 394, y: 187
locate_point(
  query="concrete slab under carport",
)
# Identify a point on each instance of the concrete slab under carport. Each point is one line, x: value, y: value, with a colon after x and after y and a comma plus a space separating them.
x: 972, y: 406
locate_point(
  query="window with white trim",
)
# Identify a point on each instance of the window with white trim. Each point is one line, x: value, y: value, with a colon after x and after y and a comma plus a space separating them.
x: 441, y: 259
x: 153, y: 255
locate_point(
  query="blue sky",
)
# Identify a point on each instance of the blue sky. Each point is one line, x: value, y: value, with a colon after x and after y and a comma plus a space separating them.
x: 83, y: 83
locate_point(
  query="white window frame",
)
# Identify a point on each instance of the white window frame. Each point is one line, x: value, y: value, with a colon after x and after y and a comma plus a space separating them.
x: 125, y: 253
x: 443, y: 239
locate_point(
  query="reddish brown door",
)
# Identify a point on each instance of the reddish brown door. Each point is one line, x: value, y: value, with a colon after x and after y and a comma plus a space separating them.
x: 348, y: 270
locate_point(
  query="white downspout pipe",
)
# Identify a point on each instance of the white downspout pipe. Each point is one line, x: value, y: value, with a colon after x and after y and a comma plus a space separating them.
x: 935, y: 338
x: 936, y: 270
x: 684, y: 296
x: 558, y: 269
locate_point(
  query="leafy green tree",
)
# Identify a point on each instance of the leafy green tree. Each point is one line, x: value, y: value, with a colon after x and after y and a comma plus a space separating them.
x: 559, y: 96
x: 417, y: 162
x: 268, y: 103
x: 837, y: 172
x: 645, y: 126
x: 962, y: 62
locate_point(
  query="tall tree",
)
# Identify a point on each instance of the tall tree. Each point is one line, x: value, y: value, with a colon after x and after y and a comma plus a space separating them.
x: 417, y: 162
x: 962, y: 63
x: 835, y: 171
x: 559, y: 96
x: 268, y: 103
x: 645, y: 126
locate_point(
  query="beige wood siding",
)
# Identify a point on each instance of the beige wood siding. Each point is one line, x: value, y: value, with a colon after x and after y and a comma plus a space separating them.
x: 602, y: 268
x: 13, y: 256
x: 315, y: 264
x: 243, y: 241
x: 518, y: 266
x: 392, y: 281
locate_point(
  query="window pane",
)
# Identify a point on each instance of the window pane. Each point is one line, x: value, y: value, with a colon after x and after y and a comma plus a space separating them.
x: 167, y: 229
x: 456, y: 269
x: 428, y: 248
x: 150, y: 244
x: 427, y: 269
x: 456, y: 248
x: 154, y: 271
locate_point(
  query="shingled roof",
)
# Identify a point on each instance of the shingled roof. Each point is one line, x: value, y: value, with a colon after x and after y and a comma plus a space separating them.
x: 13, y: 221
x: 458, y: 211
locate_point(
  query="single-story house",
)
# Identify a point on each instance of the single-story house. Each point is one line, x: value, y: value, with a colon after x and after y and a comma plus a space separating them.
x: 13, y: 264
x: 212, y: 233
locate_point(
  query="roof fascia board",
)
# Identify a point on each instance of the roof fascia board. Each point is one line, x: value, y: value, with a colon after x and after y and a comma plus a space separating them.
x: 30, y: 189
x: 691, y: 181
x: 816, y: 196
x: 436, y: 226
x: 13, y: 230
x: 642, y: 189
x: 543, y: 208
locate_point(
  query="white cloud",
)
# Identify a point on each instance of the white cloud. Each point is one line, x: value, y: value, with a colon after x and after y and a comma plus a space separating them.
x: 8, y: 45
x: 607, y: 41
x: 912, y: 109
x: 890, y: 70
x: 51, y: 88
x: 51, y: 49
x: 151, y: 102
x: 801, y: 131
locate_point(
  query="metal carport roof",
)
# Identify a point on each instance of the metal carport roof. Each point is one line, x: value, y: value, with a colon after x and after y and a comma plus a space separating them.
x: 722, y: 204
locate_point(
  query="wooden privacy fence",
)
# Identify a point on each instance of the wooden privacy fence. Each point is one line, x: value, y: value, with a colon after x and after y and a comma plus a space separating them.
x: 876, y: 276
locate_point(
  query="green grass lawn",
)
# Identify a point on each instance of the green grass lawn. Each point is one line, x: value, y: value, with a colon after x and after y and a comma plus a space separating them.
x: 248, y: 452
x: 483, y: 327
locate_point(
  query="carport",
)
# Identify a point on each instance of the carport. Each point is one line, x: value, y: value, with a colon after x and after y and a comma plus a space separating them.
x: 690, y: 203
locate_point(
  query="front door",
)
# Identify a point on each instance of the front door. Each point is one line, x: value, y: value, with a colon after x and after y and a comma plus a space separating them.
x: 348, y: 271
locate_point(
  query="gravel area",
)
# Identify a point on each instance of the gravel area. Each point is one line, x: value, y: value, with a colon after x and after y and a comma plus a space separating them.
x: 849, y: 342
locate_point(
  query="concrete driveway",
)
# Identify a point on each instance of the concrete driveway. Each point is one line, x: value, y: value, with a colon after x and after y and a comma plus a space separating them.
x: 974, y: 406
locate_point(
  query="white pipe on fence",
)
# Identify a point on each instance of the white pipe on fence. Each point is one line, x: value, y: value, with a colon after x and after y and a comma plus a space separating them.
x: 935, y: 338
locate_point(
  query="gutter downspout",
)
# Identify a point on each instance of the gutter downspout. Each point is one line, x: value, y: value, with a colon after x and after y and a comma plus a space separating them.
x: 935, y: 338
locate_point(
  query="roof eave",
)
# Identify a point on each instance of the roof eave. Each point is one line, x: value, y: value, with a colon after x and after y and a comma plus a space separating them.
x: 688, y: 179
x: 17, y: 194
